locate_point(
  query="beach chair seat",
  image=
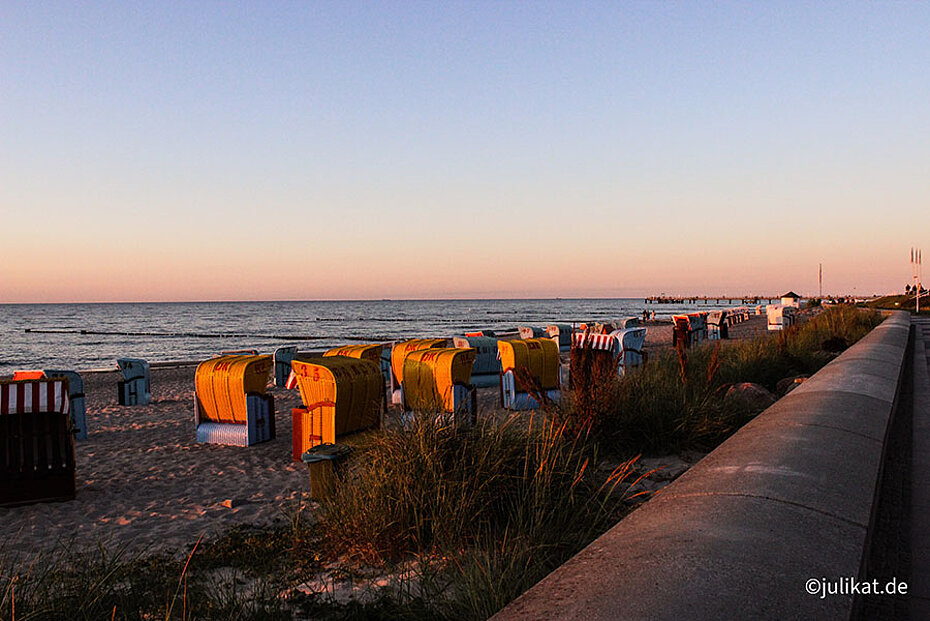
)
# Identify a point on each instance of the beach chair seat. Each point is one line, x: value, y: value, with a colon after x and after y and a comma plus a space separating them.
x: 341, y: 395
x: 136, y: 386
x: 36, y: 441
x: 399, y: 353
x: 230, y: 401
x: 487, y: 367
x: 282, y: 364
x: 540, y: 358
x: 437, y: 381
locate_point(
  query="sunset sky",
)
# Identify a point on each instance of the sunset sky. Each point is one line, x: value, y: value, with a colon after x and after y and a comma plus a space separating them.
x: 344, y: 150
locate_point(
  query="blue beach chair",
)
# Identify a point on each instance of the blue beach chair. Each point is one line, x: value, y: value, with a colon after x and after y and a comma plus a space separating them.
x: 76, y: 395
x: 136, y: 386
x: 487, y: 367
x: 283, y: 356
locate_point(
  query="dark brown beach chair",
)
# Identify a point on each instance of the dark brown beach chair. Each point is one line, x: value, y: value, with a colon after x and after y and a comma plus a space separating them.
x: 36, y: 442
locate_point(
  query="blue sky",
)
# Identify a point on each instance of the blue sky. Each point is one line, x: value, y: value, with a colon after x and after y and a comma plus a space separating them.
x: 314, y: 150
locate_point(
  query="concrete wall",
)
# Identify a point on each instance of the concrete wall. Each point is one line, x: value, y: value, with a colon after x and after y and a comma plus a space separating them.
x: 786, y: 499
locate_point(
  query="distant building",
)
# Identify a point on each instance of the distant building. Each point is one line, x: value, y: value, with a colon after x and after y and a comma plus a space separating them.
x: 791, y: 299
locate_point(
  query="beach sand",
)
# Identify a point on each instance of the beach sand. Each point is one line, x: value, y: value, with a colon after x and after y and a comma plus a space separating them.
x: 143, y: 483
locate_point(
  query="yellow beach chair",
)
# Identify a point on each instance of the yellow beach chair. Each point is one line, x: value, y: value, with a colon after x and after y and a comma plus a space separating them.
x: 540, y: 357
x: 438, y: 380
x: 230, y: 404
x: 341, y: 395
x: 399, y: 353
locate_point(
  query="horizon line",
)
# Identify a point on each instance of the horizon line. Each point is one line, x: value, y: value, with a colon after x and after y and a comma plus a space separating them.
x: 435, y: 299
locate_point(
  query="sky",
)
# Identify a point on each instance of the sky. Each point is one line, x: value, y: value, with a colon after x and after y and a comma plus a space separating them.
x: 174, y: 151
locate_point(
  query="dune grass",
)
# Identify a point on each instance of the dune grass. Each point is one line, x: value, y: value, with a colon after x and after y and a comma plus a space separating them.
x: 487, y: 510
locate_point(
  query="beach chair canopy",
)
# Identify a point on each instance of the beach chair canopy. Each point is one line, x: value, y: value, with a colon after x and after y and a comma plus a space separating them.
x: 222, y: 384
x: 539, y: 356
x: 28, y: 375
x: 717, y: 317
x: 25, y: 396
x: 617, y: 342
x: 560, y: 331
x: 629, y: 322
x: 360, y: 352
x: 698, y: 321
x: 353, y: 386
x: 629, y: 340
x: 400, y: 351
x: 530, y: 332
x: 133, y: 368
x: 430, y: 374
x: 285, y: 353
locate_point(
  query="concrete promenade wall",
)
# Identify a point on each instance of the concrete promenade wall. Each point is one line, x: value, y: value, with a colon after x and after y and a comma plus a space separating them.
x: 787, y: 498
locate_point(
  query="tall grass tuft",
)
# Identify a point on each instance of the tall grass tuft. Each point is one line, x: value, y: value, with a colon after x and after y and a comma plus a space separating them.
x: 491, y: 508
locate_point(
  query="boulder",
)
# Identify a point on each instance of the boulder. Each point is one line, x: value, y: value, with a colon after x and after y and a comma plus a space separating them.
x: 786, y: 385
x: 834, y: 344
x: 748, y: 397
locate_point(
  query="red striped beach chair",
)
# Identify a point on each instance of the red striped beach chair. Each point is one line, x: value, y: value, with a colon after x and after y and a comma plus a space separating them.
x: 624, y: 347
x: 36, y: 442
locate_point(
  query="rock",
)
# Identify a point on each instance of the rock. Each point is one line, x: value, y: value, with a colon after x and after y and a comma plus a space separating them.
x: 786, y: 385
x: 667, y: 468
x: 748, y: 397
x: 834, y: 344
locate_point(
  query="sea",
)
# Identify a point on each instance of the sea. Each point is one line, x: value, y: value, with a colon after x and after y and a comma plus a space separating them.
x: 93, y: 336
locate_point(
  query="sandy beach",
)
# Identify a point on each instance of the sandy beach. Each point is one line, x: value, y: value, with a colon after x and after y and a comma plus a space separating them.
x: 143, y: 483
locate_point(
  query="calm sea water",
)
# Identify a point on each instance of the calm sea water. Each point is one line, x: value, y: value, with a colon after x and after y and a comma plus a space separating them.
x: 87, y: 336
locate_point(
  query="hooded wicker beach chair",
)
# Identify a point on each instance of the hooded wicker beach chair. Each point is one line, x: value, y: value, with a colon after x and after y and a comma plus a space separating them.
x: 689, y: 329
x: 136, y: 386
x: 341, y: 395
x: 75, y: 395
x: 36, y: 441
x: 624, y: 347
x: 487, y: 367
x: 282, y: 364
x: 718, y: 325
x: 561, y: 333
x: 531, y: 332
x: 399, y: 353
x: 781, y: 316
x: 230, y: 401
x: 540, y: 359
x: 437, y: 381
